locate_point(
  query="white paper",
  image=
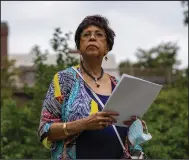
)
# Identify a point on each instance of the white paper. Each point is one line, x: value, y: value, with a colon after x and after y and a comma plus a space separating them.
x: 132, y: 97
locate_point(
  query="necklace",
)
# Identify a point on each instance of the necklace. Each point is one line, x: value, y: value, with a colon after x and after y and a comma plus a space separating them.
x: 94, y: 78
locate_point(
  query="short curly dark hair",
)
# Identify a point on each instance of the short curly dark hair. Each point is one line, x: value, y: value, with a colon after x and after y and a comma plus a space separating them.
x: 99, y: 21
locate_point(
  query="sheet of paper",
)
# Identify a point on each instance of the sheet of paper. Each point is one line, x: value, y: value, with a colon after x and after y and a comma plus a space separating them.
x: 132, y: 96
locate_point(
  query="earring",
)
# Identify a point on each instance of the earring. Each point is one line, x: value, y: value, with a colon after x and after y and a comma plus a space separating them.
x: 106, y: 58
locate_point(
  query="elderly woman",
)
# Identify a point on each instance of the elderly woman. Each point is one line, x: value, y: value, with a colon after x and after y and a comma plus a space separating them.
x: 78, y: 128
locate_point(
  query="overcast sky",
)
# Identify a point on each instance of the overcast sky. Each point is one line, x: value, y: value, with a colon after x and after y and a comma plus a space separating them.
x: 136, y: 24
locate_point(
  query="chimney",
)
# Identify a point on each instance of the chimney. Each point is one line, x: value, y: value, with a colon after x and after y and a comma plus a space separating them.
x: 4, y: 42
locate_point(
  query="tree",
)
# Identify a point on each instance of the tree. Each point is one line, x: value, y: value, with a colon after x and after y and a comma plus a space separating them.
x: 185, y: 5
x: 167, y: 122
x: 123, y: 65
x: 60, y: 46
x: 157, y: 60
x: 14, y: 120
x: 161, y: 56
x: 8, y: 74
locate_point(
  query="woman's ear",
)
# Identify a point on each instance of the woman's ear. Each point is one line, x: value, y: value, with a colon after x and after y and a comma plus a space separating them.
x: 81, y: 57
x: 107, y: 49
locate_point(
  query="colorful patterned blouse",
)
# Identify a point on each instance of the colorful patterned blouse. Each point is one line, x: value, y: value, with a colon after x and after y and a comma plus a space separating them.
x: 69, y: 89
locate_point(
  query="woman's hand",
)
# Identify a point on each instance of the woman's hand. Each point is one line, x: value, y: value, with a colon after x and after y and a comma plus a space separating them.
x: 129, y: 122
x: 99, y: 120
x: 133, y: 118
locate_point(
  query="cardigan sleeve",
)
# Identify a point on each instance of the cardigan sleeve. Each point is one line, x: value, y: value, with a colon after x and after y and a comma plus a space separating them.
x: 51, y: 110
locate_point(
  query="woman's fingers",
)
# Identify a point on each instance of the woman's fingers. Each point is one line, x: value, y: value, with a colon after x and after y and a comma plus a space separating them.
x: 134, y: 118
x: 103, y: 124
x: 106, y: 119
x: 128, y: 123
x: 100, y: 120
x: 109, y: 113
x: 111, y: 119
x: 107, y: 116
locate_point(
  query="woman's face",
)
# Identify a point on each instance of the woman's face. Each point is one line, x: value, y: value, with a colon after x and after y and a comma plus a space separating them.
x: 93, y: 42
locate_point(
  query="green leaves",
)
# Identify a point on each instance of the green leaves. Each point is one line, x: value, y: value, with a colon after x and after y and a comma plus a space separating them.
x: 163, y: 55
x: 185, y: 13
x: 167, y: 122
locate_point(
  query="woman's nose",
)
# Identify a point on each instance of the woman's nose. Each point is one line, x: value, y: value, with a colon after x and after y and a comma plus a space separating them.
x: 92, y: 37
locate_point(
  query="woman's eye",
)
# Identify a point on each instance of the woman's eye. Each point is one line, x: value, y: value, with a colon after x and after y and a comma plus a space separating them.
x: 99, y: 34
x: 85, y: 34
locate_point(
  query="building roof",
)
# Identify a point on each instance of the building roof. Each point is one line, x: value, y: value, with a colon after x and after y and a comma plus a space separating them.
x: 25, y: 61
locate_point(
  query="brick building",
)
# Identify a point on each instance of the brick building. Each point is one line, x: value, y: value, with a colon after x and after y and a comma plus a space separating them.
x: 4, y: 42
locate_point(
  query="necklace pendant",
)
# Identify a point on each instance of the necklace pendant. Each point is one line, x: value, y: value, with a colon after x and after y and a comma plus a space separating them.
x: 98, y: 85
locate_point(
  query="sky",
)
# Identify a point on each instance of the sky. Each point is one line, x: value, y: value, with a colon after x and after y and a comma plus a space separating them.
x: 137, y: 24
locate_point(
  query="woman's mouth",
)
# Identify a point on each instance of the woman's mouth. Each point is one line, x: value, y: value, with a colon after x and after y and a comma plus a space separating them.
x: 92, y: 46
